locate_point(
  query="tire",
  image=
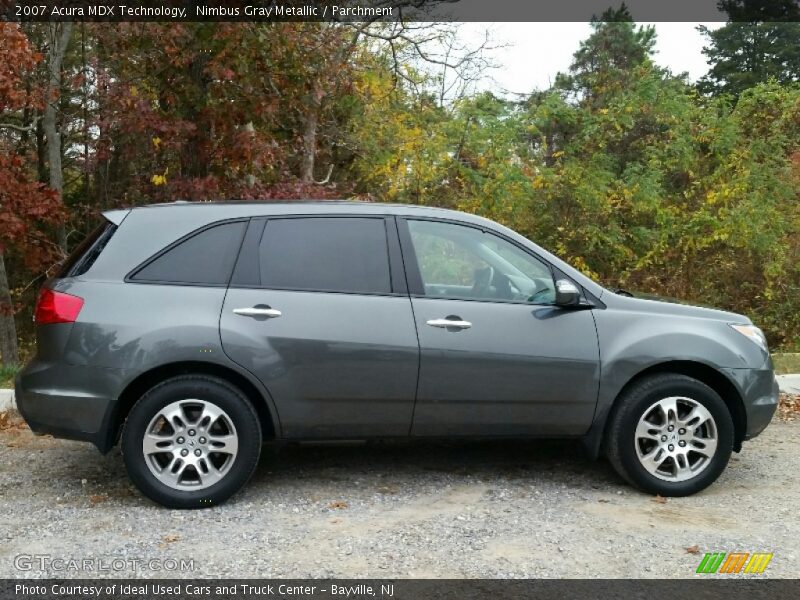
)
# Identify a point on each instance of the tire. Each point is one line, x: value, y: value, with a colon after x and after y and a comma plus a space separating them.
x: 201, y: 455
x: 644, y: 457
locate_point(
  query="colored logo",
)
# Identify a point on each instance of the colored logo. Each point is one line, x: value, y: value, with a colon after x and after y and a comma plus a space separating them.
x: 735, y: 562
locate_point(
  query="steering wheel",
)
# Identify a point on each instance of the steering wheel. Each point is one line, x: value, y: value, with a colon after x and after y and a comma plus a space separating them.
x: 483, y: 281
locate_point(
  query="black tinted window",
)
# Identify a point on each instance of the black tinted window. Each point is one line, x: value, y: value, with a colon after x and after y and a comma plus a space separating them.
x: 326, y: 254
x: 86, y: 253
x: 205, y: 258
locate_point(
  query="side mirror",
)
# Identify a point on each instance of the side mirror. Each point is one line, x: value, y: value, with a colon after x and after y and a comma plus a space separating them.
x: 567, y: 293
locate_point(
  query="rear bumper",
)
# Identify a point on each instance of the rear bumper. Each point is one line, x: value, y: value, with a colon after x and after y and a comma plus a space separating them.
x: 760, y: 392
x: 68, y: 401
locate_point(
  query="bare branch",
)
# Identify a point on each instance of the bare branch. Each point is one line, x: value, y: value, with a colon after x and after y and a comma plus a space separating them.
x: 21, y: 128
x: 430, y: 55
x: 327, y: 177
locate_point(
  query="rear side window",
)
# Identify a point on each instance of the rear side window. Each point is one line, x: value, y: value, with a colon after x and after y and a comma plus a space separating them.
x: 332, y: 254
x: 205, y: 258
x: 86, y: 253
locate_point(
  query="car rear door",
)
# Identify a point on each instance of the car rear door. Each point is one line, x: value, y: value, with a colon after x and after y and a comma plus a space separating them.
x: 319, y: 311
x: 497, y: 356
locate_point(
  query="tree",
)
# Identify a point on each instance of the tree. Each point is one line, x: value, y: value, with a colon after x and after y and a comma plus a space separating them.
x: 606, y: 62
x: 623, y: 169
x: 24, y: 204
x: 759, y: 43
x: 58, y: 40
x: 215, y: 110
x: 652, y: 186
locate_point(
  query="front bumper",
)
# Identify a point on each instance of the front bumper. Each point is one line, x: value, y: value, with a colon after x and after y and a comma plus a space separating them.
x: 760, y: 392
x: 70, y: 402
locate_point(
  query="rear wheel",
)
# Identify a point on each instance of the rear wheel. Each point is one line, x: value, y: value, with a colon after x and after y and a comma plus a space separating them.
x: 191, y: 442
x: 670, y: 434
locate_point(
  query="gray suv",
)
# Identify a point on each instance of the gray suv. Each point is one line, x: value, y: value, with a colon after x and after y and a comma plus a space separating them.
x: 191, y: 333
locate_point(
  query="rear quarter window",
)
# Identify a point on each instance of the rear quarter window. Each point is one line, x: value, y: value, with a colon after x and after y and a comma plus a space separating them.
x: 88, y: 251
x: 204, y: 258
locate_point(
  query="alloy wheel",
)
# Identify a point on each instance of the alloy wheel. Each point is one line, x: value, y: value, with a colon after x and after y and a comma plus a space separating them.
x: 190, y: 444
x: 676, y: 439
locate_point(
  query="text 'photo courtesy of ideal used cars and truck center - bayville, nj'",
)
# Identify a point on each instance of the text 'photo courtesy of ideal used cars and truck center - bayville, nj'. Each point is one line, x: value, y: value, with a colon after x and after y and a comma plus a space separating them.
x: 399, y: 299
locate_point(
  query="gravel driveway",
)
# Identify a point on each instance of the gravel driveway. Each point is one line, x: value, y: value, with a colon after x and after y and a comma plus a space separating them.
x: 519, y: 509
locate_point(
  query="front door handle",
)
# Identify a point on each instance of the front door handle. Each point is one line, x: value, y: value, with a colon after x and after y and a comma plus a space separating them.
x: 450, y: 322
x: 258, y: 311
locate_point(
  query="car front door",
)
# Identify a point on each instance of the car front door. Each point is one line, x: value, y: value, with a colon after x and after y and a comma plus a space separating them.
x: 498, y: 357
x: 318, y: 310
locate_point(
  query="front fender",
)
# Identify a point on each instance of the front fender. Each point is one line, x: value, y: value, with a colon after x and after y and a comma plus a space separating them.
x: 632, y: 343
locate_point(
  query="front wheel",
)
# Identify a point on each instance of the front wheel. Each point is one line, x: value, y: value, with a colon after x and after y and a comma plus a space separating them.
x: 670, y: 434
x: 191, y: 442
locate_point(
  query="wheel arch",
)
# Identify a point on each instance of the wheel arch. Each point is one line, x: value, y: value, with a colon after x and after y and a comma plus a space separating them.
x: 716, y: 380
x: 145, y: 381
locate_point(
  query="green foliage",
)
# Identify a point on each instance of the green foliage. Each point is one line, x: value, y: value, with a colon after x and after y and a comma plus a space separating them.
x: 759, y: 44
x: 786, y: 363
x: 636, y: 179
x: 746, y: 54
x: 7, y: 375
x: 624, y: 170
x: 605, y: 62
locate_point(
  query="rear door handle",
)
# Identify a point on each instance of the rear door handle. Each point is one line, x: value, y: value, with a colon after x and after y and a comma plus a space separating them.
x: 256, y: 311
x: 447, y: 323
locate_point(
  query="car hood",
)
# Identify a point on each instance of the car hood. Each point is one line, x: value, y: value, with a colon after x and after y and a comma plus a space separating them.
x: 670, y: 306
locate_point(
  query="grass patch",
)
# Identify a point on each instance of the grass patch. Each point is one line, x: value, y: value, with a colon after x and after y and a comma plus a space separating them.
x: 786, y: 363
x: 7, y: 374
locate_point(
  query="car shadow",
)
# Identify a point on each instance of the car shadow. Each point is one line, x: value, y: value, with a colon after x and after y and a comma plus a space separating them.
x: 405, y: 461
x: 295, y: 470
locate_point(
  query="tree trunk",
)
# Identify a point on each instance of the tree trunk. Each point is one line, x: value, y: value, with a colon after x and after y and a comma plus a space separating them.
x: 196, y: 160
x: 41, y: 150
x: 310, y: 135
x: 9, y: 354
x: 58, y: 34
x: 309, y: 147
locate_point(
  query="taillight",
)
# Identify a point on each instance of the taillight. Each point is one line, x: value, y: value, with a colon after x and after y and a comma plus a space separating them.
x: 56, y: 307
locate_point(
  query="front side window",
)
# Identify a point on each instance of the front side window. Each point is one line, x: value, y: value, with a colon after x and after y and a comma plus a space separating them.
x: 456, y: 261
x: 328, y: 254
x: 205, y: 258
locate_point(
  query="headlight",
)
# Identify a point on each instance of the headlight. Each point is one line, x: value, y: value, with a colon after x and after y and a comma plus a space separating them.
x: 752, y: 332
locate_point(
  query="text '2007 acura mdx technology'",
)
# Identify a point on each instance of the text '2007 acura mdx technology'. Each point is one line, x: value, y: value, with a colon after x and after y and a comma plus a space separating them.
x: 191, y: 333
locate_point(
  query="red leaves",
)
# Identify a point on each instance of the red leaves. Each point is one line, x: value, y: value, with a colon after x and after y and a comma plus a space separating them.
x: 78, y: 81
x: 16, y: 58
x: 23, y: 204
x: 226, y: 101
x: 198, y: 111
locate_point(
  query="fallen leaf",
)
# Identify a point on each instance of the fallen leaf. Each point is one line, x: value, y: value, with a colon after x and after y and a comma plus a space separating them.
x: 693, y: 549
x: 98, y: 498
x: 11, y: 421
x: 789, y: 407
x: 660, y: 499
x: 338, y: 505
